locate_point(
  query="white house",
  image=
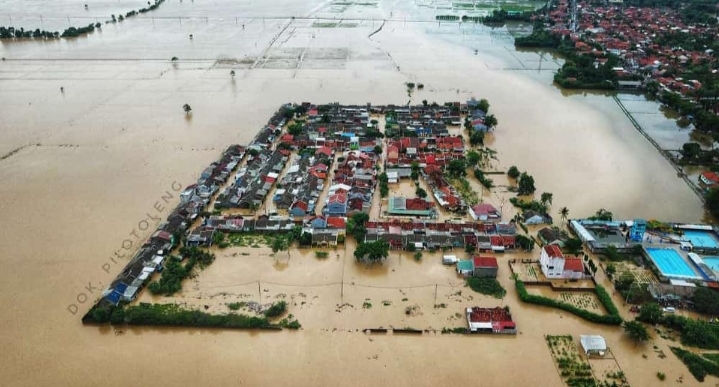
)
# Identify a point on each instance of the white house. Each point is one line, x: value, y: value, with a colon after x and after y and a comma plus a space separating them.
x: 556, y: 265
x: 534, y: 217
x: 552, y: 261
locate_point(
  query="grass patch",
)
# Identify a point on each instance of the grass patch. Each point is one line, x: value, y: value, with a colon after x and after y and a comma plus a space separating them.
x: 487, y: 286
x: 236, y: 305
x: 321, y: 254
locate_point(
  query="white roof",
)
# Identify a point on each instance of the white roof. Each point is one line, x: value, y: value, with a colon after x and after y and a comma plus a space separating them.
x: 593, y: 343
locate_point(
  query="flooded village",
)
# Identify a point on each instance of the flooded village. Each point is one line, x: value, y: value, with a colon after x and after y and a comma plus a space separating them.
x: 377, y: 231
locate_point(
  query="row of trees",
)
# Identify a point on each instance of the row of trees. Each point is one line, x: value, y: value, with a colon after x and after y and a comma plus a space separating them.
x: 71, y: 32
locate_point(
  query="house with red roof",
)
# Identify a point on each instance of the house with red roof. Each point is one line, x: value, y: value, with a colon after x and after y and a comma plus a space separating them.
x: 324, y: 151
x: 573, y: 268
x: 486, y: 320
x: 556, y: 266
x: 709, y: 180
x: 485, y: 212
x: 485, y: 267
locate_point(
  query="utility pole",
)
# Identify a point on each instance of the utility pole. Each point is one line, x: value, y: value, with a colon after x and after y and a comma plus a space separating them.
x: 259, y: 292
x: 435, y: 294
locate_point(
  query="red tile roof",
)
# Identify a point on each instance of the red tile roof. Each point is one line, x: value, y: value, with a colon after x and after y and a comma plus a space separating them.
x: 485, y: 262
x: 573, y: 264
x: 553, y: 251
x: 336, y: 222
x: 711, y: 176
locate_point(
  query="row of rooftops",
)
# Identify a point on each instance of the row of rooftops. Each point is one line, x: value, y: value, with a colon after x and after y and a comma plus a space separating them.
x: 254, y: 181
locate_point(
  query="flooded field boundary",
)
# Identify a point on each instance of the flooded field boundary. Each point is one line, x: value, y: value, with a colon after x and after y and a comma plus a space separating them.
x: 638, y: 127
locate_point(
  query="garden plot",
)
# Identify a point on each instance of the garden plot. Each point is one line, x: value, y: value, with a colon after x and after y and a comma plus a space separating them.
x: 578, y: 371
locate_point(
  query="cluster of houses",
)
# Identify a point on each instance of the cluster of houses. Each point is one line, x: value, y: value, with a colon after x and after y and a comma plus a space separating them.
x: 437, y: 151
x: 443, y: 191
x: 445, y: 236
x: 324, y: 230
x: 302, y: 184
x: 634, y: 34
x: 352, y: 185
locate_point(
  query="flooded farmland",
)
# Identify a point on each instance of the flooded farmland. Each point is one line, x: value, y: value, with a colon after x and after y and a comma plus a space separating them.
x: 91, y: 161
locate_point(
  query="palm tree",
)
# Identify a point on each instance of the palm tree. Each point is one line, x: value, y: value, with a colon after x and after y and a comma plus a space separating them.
x: 186, y: 108
x: 564, y: 213
x: 232, y: 73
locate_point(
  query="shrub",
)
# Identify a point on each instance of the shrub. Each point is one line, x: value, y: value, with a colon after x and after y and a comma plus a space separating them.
x: 276, y: 310
x: 698, y: 366
x: 661, y: 376
x: 174, y: 315
x: 487, y: 286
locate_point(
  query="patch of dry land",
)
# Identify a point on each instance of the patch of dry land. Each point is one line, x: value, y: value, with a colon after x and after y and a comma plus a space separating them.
x: 86, y: 166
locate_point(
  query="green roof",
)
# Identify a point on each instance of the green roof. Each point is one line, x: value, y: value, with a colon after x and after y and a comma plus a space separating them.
x: 465, y: 265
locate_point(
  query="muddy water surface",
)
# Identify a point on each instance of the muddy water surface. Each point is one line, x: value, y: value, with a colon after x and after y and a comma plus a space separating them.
x: 106, y: 150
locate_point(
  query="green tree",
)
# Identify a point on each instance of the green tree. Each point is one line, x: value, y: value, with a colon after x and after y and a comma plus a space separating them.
x: 712, y: 201
x: 636, y: 330
x: 573, y: 246
x: 457, y: 168
x: 491, y: 121
x: 690, y: 151
x: 473, y: 158
x: 187, y: 108
x: 280, y: 243
x: 378, y: 150
x: 483, y: 105
x: 476, y: 138
x: 564, y: 213
x: 356, y: 226
x: 414, y: 175
x: 526, y: 184
x: 525, y: 242
x: 602, y: 214
x: 295, y: 129
x: 420, y: 193
x: 372, y: 251
x: 650, y: 313
x: 546, y: 198
x: 706, y: 301
x: 513, y: 172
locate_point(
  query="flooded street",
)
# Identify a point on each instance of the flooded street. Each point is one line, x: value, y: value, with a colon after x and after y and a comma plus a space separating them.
x: 94, y: 159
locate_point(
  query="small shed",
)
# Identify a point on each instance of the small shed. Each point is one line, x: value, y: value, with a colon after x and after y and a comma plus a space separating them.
x: 593, y: 345
x: 465, y: 267
x: 449, y: 259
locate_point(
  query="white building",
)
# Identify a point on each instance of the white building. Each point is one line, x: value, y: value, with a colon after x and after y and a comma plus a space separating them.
x: 593, y: 345
x: 556, y: 265
x: 552, y: 261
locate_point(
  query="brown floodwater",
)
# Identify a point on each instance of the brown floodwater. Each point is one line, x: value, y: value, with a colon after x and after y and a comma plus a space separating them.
x: 97, y: 159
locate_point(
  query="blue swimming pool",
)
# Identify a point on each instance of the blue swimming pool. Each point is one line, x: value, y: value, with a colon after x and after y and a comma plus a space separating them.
x: 701, y: 238
x: 671, y: 264
x: 712, y: 262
